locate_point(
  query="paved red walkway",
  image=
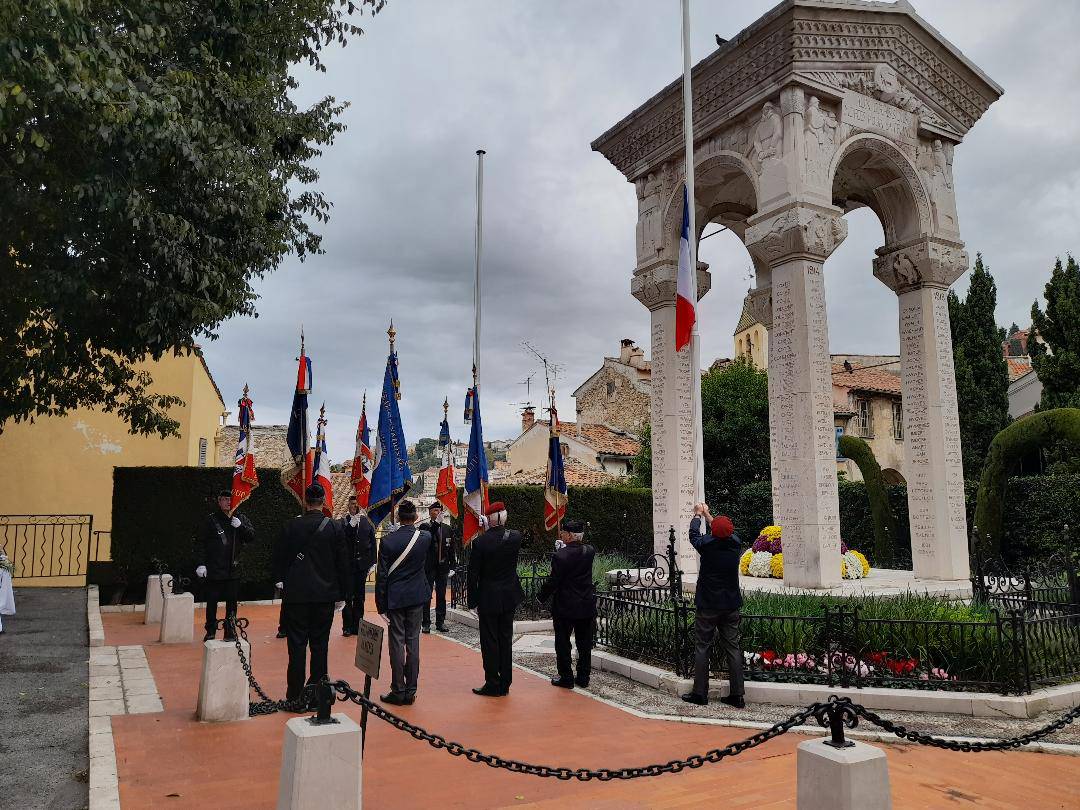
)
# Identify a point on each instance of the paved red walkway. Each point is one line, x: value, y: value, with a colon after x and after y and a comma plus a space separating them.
x: 170, y: 760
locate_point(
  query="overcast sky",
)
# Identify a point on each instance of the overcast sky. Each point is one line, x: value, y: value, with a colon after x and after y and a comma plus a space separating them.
x: 533, y: 84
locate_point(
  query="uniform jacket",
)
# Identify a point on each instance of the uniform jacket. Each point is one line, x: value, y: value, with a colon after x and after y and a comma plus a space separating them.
x: 312, y: 561
x: 494, y: 586
x: 718, y: 576
x: 571, y: 586
x: 441, y: 554
x: 219, y: 545
x: 408, y: 586
x: 359, y: 543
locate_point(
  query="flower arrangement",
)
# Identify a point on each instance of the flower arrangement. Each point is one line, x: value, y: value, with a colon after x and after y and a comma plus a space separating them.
x: 882, y: 664
x: 7, y: 564
x: 765, y: 558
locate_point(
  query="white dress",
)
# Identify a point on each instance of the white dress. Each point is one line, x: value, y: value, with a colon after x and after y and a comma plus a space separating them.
x: 7, y: 596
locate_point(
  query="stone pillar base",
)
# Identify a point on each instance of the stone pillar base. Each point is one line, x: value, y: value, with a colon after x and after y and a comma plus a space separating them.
x: 321, y: 766
x: 177, y: 619
x: 152, y: 614
x: 223, y: 689
x: 830, y: 778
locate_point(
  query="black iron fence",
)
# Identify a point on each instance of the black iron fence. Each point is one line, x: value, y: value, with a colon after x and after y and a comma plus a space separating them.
x: 43, y: 546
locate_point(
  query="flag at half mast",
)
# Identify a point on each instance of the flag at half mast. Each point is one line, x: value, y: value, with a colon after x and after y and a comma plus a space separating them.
x: 555, y: 497
x: 391, y: 477
x: 685, y: 313
x: 446, y: 486
x: 297, y: 476
x: 362, y: 460
x: 244, y: 478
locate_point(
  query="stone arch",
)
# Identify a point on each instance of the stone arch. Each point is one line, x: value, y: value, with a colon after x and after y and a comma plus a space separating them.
x: 870, y: 171
x: 891, y: 477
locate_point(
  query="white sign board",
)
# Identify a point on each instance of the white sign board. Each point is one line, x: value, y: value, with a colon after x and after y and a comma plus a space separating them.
x: 369, y: 641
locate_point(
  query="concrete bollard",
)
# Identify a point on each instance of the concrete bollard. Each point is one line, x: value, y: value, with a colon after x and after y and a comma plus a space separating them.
x: 152, y: 613
x: 321, y: 765
x: 177, y: 619
x: 223, y: 688
x: 855, y: 778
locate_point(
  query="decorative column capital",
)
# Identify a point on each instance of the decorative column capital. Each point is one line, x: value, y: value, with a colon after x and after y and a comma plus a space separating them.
x: 802, y: 230
x: 927, y: 262
x: 654, y: 285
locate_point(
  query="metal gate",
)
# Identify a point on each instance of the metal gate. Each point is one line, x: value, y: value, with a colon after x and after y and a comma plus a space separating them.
x: 47, y: 547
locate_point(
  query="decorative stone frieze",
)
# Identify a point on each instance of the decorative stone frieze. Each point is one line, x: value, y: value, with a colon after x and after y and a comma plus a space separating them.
x: 929, y: 262
x: 801, y: 230
x: 654, y: 286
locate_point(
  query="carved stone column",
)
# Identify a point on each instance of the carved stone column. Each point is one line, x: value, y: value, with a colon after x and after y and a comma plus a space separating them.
x: 671, y: 417
x: 920, y: 274
x: 795, y: 244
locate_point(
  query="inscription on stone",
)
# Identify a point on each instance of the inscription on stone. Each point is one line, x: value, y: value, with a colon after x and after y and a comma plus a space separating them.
x: 866, y: 114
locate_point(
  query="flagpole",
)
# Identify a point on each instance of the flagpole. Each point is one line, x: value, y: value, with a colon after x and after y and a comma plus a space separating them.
x: 479, y: 249
x: 695, y: 342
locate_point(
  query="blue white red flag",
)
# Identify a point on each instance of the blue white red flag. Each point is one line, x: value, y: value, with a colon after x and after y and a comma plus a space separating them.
x: 362, y: 460
x: 685, y: 313
x: 298, y: 475
x: 391, y: 477
x: 321, y: 464
x: 476, y: 474
x: 244, y: 477
x: 555, y: 497
x: 446, y: 490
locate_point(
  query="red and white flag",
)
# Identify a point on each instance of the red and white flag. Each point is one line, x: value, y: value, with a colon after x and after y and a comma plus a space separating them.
x: 321, y: 464
x: 244, y: 477
x: 685, y: 313
x: 363, y: 460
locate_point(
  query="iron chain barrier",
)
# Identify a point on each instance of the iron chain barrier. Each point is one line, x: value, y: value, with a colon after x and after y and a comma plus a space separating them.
x: 236, y: 628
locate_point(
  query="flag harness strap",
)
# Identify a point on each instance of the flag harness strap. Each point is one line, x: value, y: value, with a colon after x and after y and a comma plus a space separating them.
x: 300, y: 553
x: 405, y: 553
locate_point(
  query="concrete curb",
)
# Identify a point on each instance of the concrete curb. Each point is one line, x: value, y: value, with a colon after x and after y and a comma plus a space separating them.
x: 140, y: 607
x: 469, y: 619
x: 93, y: 617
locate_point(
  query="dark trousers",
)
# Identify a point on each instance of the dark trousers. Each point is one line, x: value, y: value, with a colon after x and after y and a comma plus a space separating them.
x: 353, y: 612
x: 220, y: 590
x: 307, y: 625
x: 723, y: 624
x: 496, y: 648
x: 583, y: 633
x: 404, y: 649
x: 440, y: 600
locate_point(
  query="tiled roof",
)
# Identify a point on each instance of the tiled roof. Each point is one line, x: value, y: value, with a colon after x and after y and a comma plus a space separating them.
x: 746, y: 318
x: 867, y: 379
x: 341, y: 483
x: 1018, y: 367
x: 577, y: 475
x: 609, y: 442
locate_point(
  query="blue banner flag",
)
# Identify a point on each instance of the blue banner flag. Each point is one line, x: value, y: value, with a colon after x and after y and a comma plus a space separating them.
x: 476, y: 475
x: 391, y: 477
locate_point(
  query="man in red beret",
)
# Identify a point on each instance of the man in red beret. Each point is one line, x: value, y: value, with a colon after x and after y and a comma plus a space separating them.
x: 495, y: 592
x: 718, y: 600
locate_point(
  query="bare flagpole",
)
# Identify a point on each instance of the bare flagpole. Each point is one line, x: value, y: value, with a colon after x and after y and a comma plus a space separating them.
x: 479, y: 247
x: 695, y: 342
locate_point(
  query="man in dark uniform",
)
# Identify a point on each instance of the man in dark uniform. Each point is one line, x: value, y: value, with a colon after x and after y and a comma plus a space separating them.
x: 311, y: 563
x: 573, y: 603
x: 360, y: 540
x: 218, y: 558
x: 495, y: 592
x: 440, y: 562
x: 401, y: 591
x: 718, y: 600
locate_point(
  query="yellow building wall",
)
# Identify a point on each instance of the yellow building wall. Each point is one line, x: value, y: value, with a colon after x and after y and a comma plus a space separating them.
x: 64, y: 465
x: 757, y: 338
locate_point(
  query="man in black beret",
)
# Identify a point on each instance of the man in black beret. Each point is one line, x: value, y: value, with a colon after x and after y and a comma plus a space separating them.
x: 312, y: 569
x: 218, y: 560
x: 573, y: 603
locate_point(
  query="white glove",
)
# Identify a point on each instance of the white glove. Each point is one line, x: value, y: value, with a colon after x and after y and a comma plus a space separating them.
x: 279, y: 585
x: 235, y: 522
x: 200, y: 571
x: 450, y: 574
x: 338, y: 607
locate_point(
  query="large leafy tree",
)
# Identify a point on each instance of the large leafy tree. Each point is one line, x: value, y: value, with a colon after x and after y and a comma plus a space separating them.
x: 982, y: 375
x: 1058, y: 325
x: 152, y: 165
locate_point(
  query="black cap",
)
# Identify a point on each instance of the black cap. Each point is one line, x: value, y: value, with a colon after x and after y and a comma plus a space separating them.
x: 406, y: 510
x: 224, y: 493
x: 314, y: 493
x: 573, y: 526
x: 436, y: 505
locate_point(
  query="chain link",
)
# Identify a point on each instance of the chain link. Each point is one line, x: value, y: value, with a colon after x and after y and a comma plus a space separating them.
x: 237, y: 628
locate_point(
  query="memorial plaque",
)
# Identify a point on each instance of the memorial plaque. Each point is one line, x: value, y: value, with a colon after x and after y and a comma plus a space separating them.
x: 369, y: 642
x: 866, y: 114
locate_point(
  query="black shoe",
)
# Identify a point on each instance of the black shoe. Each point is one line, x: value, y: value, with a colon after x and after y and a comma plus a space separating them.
x: 695, y: 698
x: 280, y: 634
x: 410, y: 700
x: 488, y: 691
x: 734, y: 701
x: 426, y: 628
x: 210, y: 635
x: 394, y: 699
x: 582, y: 682
x: 441, y: 628
x: 564, y: 683
x: 346, y: 633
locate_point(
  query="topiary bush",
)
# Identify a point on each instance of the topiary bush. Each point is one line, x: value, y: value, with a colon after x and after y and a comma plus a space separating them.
x: 880, y: 509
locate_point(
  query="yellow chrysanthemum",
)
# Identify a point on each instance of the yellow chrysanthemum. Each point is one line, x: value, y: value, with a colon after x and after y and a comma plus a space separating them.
x: 771, y: 532
x: 863, y: 562
x: 776, y: 566
x: 744, y: 562
x: 843, y: 569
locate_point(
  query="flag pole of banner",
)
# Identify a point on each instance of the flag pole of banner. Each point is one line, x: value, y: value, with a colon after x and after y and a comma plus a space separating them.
x: 446, y: 487
x: 297, y: 476
x: 555, y: 497
x: 321, y: 465
x: 475, y: 497
x: 391, y: 477
x: 362, y: 460
x: 244, y: 478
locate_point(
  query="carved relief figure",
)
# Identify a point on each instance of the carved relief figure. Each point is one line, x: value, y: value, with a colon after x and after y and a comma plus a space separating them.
x: 935, y: 170
x: 907, y: 274
x: 768, y: 137
x: 648, y: 225
x: 890, y: 89
x: 820, y: 141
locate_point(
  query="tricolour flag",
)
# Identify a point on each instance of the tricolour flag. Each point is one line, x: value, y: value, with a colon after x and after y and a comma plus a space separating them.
x: 685, y: 314
x: 555, y: 497
x: 244, y: 477
x: 476, y: 474
x: 321, y: 464
x: 391, y: 477
x: 298, y: 474
x: 446, y: 486
x: 362, y: 460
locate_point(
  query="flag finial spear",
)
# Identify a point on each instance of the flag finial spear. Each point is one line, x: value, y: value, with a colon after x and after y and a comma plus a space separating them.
x: 363, y: 402
x: 446, y: 407
x: 245, y: 389
x: 301, y: 340
x: 392, y: 334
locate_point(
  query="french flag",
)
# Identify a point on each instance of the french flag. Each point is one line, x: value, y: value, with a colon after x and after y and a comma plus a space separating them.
x: 362, y: 460
x: 321, y: 464
x: 685, y: 314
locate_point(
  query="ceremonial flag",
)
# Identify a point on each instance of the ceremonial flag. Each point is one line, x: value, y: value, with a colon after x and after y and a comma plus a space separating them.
x: 362, y: 460
x: 391, y: 477
x: 446, y: 486
x: 321, y: 465
x: 476, y: 475
x: 244, y: 477
x: 685, y: 314
x: 555, y: 497
x: 298, y: 475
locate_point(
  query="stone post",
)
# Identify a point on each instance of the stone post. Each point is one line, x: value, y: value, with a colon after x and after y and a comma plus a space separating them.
x: 321, y: 765
x: 671, y: 420
x: 854, y: 778
x: 794, y: 244
x: 223, y: 688
x: 177, y: 619
x: 920, y: 274
x: 152, y: 602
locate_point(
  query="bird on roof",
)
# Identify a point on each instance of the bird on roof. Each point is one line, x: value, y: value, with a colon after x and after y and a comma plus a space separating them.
x: 848, y: 367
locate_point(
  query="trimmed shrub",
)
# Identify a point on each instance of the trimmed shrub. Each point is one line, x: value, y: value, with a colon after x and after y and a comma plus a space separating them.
x: 880, y: 510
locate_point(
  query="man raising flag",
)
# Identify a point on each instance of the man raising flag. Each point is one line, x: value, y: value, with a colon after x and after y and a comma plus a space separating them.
x: 362, y: 460
x: 298, y: 476
x: 391, y: 477
x: 446, y: 487
x: 244, y: 478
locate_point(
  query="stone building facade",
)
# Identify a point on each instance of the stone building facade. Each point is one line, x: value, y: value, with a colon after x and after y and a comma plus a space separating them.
x: 618, y: 393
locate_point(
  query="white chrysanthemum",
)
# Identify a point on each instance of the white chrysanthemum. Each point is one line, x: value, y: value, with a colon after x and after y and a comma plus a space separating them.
x: 759, y: 564
x: 852, y: 566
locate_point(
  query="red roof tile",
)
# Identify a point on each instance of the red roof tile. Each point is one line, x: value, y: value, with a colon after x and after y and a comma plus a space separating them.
x: 867, y: 379
x: 1018, y: 367
x: 577, y: 475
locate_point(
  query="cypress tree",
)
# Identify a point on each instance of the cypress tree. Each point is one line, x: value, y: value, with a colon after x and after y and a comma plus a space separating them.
x: 1059, y: 326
